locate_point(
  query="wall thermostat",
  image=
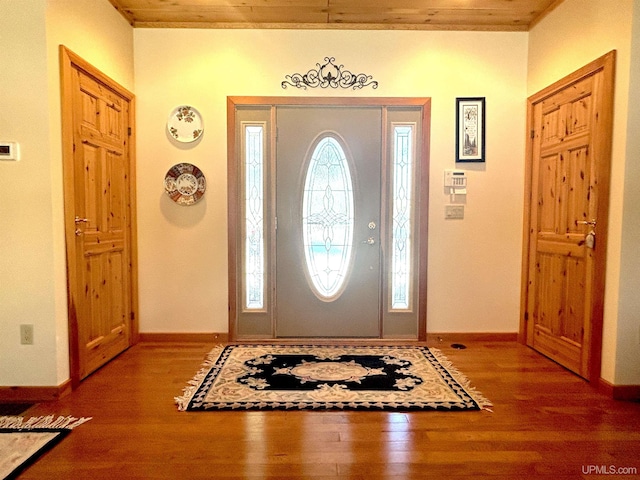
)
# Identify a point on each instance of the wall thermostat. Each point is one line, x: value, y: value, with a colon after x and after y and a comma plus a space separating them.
x: 9, y: 151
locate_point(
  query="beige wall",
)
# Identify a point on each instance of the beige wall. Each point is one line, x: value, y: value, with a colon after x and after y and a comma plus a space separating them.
x: 474, y: 264
x: 26, y: 256
x: 577, y: 32
x: 628, y: 335
x: 32, y: 252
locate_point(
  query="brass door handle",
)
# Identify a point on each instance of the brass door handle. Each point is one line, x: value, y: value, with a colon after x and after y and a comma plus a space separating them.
x: 78, y: 220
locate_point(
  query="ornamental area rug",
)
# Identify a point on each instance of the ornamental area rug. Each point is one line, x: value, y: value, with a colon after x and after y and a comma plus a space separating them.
x: 304, y: 377
x: 22, y: 442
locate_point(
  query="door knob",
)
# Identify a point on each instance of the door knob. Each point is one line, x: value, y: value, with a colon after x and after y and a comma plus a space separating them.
x: 369, y: 241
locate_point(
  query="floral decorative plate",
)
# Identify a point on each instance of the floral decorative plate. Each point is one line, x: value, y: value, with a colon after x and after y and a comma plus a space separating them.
x: 185, y: 184
x: 185, y: 124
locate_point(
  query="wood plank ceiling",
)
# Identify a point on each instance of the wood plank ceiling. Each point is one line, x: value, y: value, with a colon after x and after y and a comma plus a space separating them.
x: 489, y: 15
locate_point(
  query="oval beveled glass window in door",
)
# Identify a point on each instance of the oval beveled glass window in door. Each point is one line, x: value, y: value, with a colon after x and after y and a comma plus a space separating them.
x: 327, y: 218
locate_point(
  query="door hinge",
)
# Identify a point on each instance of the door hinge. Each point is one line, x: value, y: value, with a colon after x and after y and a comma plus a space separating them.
x: 533, y: 133
x: 129, y: 131
x: 275, y: 223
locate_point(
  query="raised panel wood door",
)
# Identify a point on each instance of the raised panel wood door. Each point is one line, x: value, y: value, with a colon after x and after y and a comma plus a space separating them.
x: 99, y: 215
x: 568, y: 210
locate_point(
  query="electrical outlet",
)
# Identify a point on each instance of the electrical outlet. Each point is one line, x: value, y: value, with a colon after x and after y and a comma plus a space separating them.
x: 26, y: 334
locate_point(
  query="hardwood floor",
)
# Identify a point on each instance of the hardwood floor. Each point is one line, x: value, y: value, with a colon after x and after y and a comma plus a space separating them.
x: 546, y: 423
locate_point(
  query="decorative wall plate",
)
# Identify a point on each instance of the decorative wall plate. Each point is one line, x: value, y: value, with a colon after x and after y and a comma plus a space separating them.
x: 185, y: 124
x: 185, y: 184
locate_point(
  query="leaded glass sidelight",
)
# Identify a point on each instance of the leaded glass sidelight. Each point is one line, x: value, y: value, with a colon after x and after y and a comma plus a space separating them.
x: 254, y: 251
x: 402, y: 217
x: 327, y: 218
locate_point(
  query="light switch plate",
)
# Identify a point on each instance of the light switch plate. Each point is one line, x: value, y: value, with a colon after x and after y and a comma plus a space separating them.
x: 453, y: 212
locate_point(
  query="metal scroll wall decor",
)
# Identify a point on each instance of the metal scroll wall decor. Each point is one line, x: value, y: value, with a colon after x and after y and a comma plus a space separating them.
x: 329, y: 75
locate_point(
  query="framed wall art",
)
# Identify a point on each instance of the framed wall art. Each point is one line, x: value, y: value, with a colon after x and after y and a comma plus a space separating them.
x: 470, y: 129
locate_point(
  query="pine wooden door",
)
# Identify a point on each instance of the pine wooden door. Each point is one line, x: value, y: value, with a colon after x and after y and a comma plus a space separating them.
x: 569, y: 155
x: 99, y: 216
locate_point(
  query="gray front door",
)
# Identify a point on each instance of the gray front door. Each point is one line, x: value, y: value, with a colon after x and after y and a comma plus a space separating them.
x: 328, y: 184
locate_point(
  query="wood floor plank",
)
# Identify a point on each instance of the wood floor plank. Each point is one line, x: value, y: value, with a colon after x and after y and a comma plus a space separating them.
x: 545, y: 423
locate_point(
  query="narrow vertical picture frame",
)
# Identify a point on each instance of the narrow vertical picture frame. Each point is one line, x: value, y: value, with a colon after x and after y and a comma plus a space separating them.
x: 470, y: 129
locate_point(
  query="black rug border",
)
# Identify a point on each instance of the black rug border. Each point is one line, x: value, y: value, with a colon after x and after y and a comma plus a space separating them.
x: 467, y: 403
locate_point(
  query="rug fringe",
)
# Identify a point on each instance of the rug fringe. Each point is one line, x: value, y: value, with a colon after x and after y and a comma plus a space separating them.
x: 49, y: 421
x: 482, y: 401
x: 192, y: 386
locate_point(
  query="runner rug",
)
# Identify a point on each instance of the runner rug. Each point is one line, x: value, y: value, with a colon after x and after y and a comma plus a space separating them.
x: 22, y: 442
x: 296, y: 377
